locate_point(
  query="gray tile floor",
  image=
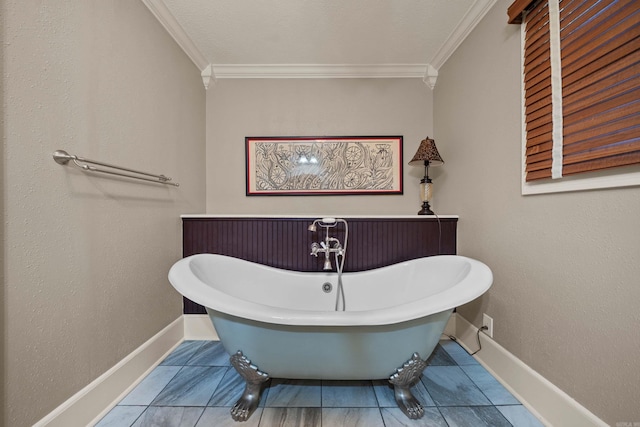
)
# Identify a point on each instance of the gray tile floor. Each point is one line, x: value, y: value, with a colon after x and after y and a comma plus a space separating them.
x: 196, y: 386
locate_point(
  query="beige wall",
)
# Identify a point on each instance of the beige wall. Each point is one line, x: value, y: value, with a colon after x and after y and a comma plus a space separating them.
x: 86, y: 257
x: 3, y: 293
x: 311, y: 107
x: 567, y: 267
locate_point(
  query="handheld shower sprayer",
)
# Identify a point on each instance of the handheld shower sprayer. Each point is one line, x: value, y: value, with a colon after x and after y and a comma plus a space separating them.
x: 328, y: 246
x: 324, y: 222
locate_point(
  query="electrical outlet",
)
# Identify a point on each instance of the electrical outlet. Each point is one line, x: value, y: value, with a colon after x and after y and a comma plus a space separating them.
x: 488, y: 322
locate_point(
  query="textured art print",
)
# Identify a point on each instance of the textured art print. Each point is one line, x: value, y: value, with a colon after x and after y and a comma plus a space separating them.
x: 324, y: 165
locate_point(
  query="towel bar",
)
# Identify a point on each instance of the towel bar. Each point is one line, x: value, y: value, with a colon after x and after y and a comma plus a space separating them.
x: 62, y: 158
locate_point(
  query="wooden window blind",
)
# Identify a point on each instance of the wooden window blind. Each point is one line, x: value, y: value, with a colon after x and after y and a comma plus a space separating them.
x: 537, y: 86
x: 600, y: 84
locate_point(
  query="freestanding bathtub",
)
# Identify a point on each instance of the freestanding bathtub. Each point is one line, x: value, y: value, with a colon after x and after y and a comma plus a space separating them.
x: 282, y: 324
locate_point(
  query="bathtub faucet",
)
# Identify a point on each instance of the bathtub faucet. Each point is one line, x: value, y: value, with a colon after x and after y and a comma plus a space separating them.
x: 330, y: 244
x: 326, y: 248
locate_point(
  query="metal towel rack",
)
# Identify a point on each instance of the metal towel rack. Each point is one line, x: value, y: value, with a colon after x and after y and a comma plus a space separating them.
x: 62, y: 158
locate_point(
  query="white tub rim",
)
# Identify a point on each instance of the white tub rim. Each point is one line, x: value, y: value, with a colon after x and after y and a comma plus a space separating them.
x: 474, y: 284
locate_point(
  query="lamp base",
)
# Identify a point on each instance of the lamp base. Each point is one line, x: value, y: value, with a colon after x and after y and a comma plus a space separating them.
x: 426, y: 209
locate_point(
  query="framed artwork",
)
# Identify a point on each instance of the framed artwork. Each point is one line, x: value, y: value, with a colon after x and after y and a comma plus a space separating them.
x: 323, y: 165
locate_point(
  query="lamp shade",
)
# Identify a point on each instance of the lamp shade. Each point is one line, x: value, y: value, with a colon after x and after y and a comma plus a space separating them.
x: 427, y: 151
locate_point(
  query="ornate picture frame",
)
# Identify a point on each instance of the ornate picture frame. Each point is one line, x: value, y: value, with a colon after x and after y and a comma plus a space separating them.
x: 329, y: 165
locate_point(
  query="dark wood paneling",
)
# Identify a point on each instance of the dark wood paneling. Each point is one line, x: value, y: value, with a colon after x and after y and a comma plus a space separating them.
x: 285, y: 242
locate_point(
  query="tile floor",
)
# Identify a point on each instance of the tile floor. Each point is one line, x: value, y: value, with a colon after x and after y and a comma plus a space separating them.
x: 196, y: 386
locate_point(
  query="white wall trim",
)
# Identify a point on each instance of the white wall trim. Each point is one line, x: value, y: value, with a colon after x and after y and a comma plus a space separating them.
x: 318, y: 71
x: 430, y: 77
x: 450, y: 328
x: 199, y: 327
x: 175, y: 30
x: 208, y: 77
x: 474, y: 15
x: 611, y: 178
x: 317, y: 215
x: 545, y: 400
x: 550, y: 404
x: 109, y: 388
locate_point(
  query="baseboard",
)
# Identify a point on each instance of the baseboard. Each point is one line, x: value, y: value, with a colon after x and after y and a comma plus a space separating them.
x: 199, y: 327
x: 550, y: 404
x: 450, y: 328
x: 105, y: 391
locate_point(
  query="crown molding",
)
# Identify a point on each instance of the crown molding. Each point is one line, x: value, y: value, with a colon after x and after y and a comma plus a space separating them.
x: 208, y: 76
x: 211, y: 72
x: 317, y: 71
x: 175, y: 30
x: 476, y: 12
x: 430, y: 77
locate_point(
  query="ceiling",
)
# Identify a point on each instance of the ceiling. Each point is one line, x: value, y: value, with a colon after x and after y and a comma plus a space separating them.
x: 319, y: 38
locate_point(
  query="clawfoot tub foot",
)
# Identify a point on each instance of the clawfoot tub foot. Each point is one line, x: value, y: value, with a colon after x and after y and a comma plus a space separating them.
x: 254, y: 379
x: 406, y: 377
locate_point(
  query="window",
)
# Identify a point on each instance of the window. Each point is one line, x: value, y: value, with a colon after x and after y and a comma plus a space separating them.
x: 581, y: 87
